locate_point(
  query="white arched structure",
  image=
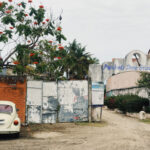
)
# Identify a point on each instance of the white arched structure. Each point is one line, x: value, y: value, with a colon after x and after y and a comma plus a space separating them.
x: 130, y: 58
x: 135, y: 60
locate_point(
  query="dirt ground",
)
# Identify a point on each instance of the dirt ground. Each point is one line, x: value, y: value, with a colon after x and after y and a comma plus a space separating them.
x: 116, y: 132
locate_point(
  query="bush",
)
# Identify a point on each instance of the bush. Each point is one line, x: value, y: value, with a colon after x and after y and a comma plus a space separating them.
x: 127, y: 103
x: 110, y: 102
x: 147, y: 109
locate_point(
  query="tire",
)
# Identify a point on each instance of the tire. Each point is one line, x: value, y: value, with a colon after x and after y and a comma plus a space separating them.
x: 16, y: 135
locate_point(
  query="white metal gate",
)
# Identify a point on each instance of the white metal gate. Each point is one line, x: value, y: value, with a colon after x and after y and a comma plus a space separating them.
x: 65, y: 101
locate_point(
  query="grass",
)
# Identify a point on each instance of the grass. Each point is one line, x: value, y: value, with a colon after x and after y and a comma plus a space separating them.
x: 46, y: 127
x: 146, y: 121
x: 27, y: 131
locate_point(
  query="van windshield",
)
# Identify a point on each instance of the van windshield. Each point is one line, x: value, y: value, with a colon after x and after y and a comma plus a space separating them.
x: 6, y: 109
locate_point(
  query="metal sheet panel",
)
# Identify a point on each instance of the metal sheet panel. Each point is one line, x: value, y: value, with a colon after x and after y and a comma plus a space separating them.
x: 50, y: 103
x: 66, y: 113
x: 80, y: 109
x: 34, y: 114
x: 50, y: 89
x: 50, y: 109
x: 65, y: 96
x: 73, y: 99
x: 49, y: 118
x: 34, y: 96
x: 71, y: 103
x: 34, y: 84
x: 97, y: 93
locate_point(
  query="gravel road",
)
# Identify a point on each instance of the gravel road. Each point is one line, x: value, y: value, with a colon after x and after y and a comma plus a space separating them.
x: 120, y: 133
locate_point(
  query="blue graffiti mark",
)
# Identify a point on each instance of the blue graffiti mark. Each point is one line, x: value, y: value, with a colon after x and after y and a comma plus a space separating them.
x: 109, y: 67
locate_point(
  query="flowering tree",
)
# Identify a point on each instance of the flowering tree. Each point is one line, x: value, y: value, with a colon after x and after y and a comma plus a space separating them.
x: 52, y: 61
x: 25, y: 33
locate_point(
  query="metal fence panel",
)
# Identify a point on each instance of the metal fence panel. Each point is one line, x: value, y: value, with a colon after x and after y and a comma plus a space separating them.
x: 50, y: 102
x: 49, y: 89
x: 34, y: 101
x: 73, y: 99
x: 35, y: 84
x: 34, y: 96
x: 34, y: 114
x: 46, y: 99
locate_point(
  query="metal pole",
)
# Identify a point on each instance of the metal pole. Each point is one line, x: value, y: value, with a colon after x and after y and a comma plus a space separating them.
x: 90, y: 98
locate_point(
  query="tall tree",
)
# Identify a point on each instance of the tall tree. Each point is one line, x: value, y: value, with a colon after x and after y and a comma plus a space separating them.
x: 51, y: 66
x: 77, y: 61
x: 22, y: 29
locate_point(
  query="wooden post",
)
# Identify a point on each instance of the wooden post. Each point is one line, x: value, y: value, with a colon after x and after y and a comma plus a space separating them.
x: 90, y: 99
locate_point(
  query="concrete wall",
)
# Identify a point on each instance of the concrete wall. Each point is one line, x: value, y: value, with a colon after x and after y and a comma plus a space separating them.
x: 137, y: 91
x: 101, y: 73
x: 107, y: 70
x: 95, y: 72
x: 49, y: 102
x: 125, y: 83
x: 123, y: 80
x: 97, y: 76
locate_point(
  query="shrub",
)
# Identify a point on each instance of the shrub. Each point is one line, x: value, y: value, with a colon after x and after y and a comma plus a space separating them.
x: 127, y: 103
x: 110, y: 102
x: 147, y: 109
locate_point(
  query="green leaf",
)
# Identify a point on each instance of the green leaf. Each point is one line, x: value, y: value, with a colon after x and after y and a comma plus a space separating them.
x: 8, y: 20
x: 33, y: 11
x: 20, y: 16
x: 3, y: 38
x: 10, y: 7
x: 48, y: 31
x: 23, y: 4
x: 37, y: 31
x: 40, y: 15
x: 9, y: 33
x: 51, y: 25
x: 24, y: 29
x: 28, y: 22
x: 63, y: 37
x: 3, y: 6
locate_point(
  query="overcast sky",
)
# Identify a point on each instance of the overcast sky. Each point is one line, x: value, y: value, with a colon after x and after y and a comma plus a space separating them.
x: 108, y: 28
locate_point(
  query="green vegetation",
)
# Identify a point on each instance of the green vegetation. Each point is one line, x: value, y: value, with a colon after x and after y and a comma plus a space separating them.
x: 127, y: 103
x: 145, y: 81
x: 146, y: 121
x: 37, y: 44
x: 77, y: 61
